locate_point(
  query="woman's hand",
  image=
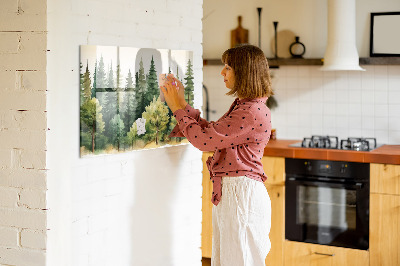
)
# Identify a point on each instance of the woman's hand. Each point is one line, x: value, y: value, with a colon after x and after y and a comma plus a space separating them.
x: 181, y: 92
x: 174, y: 93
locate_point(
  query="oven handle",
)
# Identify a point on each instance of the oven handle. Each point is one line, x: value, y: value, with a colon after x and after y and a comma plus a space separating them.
x: 357, y: 185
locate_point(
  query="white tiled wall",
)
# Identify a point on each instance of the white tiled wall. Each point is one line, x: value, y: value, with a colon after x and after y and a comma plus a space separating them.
x: 313, y: 102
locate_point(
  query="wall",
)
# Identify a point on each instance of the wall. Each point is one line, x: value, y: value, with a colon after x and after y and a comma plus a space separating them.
x: 306, y: 19
x: 137, y: 208
x: 312, y: 102
x: 23, y: 133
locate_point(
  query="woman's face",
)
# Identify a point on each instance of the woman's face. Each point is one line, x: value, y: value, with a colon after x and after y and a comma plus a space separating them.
x: 229, y: 76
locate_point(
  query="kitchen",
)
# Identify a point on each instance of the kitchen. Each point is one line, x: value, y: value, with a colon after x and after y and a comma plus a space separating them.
x: 313, y: 104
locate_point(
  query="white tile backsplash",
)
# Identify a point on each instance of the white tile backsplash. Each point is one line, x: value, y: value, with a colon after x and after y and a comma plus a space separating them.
x: 346, y: 103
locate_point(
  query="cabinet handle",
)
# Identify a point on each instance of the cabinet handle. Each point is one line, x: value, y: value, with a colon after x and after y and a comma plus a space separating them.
x: 324, y: 254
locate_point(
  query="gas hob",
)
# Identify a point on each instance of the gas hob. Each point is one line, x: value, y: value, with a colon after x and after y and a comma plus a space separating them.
x: 332, y: 142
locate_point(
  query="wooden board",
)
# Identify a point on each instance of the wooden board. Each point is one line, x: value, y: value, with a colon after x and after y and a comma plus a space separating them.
x: 304, y: 254
x: 385, y: 178
x: 206, y: 232
x: 384, y: 236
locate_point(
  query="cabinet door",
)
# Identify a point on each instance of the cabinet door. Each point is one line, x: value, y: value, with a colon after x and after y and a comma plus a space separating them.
x: 277, y: 233
x: 274, y: 168
x: 384, y: 230
x: 304, y: 254
x: 385, y: 178
x: 206, y: 226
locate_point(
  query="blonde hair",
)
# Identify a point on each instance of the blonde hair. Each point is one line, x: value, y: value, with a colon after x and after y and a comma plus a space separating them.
x: 250, y: 66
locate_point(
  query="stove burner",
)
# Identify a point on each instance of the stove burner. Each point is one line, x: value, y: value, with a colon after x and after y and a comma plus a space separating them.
x: 332, y: 142
x: 358, y: 144
x: 328, y: 142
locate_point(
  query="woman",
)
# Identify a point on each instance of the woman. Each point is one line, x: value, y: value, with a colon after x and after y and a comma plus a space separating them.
x: 242, y: 208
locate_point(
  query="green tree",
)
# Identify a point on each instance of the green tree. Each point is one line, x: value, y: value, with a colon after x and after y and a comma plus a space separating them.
x: 117, y: 130
x: 81, y: 77
x: 101, y: 76
x: 152, y: 83
x: 189, y: 84
x: 110, y: 79
x: 94, y: 87
x: 129, y: 102
x: 92, y: 117
x: 110, y: 106
x: 129, y: 82
x: 86, y: 84
x: 157, y: 118
x: 177, y: 72
x: 140, y: 91
x: 132, y: 134
x: 101, y: 83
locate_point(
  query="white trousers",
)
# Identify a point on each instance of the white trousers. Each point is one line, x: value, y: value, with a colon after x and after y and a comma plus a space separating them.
x: 241, y: 223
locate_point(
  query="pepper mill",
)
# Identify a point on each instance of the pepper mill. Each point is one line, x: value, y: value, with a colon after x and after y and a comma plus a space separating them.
x: 276, y: 38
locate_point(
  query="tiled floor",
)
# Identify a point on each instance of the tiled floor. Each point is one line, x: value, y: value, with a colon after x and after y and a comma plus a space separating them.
x: 206, y: 261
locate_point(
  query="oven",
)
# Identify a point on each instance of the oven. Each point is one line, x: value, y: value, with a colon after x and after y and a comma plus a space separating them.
x: 327, y: 202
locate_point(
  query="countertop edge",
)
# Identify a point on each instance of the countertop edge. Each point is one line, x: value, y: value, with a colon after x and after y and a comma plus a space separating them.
x: 386, y: 154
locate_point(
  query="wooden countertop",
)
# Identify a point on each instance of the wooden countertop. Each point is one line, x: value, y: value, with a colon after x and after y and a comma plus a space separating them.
x: 389, y: 154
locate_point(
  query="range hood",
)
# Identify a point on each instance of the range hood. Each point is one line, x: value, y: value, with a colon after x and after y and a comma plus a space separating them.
x: 341, y: 51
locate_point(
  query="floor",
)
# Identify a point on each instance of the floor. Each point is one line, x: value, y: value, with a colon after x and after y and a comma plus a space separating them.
x: 206, y: 261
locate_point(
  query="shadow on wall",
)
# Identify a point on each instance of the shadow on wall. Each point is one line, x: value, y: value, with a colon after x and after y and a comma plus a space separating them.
x: 154, y: 204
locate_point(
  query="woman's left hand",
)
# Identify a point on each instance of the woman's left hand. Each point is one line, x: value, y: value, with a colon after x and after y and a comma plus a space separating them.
x: 170, y: 90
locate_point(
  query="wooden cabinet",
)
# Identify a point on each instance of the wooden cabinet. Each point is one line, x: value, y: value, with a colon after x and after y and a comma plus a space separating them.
x: 385, y: 215
x: 274, y: 168
x: 385, y: 178
x: 206, y: 226
x: 277, y: 233
x: 304, y: 254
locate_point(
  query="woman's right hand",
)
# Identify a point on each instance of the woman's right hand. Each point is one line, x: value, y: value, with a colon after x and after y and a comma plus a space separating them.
x: 181, y: 91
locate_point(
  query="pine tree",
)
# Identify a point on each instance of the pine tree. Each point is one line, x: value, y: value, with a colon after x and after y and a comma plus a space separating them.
x: 81, y: 78
x: 110, y: 108
x: 117, y: 130
x: 101, y: 76
x: 152, y: 84
x: 140, y: 91
x: 110, y: 79
x: 94, y: 88
x: 129, y: 102
x: 86, y: 84
x: 91, y: 116
x: 177, y: 72
x: 189, y: 85
x: 101, y: 83
x: 156, y: 116
x: 129, y: 82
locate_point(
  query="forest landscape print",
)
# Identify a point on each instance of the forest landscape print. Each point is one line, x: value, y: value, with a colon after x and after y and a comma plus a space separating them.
x: 120, y: 105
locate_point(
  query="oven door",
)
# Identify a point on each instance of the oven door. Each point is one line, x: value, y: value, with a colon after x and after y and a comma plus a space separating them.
x: 327, y: 213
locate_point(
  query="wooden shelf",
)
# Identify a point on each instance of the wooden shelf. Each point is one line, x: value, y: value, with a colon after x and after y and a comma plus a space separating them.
x: 274, y: 63
x: 380, y: 61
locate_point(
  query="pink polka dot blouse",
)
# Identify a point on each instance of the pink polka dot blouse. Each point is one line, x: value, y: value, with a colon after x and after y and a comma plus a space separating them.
x: 238, y: 139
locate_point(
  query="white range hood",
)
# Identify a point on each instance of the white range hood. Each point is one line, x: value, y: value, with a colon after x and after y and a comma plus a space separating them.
x: 341, y: 51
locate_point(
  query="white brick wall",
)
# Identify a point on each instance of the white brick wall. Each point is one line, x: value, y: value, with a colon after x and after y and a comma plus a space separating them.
x: 137, y: 208
x: 23, y: 128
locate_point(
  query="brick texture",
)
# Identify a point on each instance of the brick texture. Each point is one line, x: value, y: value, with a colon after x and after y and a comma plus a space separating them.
x: 23, y: 125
